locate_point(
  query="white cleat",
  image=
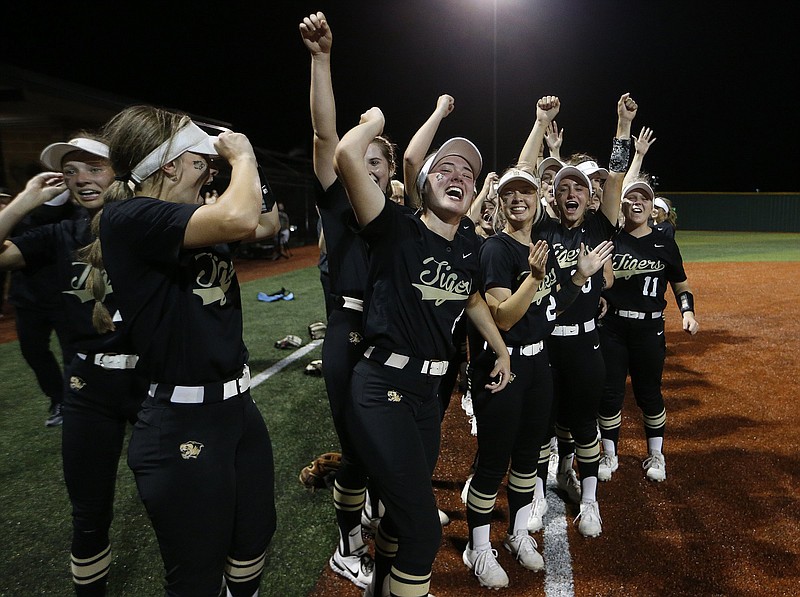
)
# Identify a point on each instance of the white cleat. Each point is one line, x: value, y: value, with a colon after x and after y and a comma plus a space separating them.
x: 590, y: 524
x: 523, y: 547
x: 536, y: 518
x: 655, y: 467
x: 484, y: 564
x: 357, y: 568
x: 608, y: 465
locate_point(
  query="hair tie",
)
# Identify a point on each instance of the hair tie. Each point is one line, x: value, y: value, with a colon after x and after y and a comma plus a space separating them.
x: 124, y: 178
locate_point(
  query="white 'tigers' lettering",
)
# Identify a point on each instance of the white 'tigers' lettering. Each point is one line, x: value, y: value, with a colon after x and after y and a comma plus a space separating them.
x: 440, y: 284
x: 627, y: 265
x: 214, y: 276
x: 78, y: 282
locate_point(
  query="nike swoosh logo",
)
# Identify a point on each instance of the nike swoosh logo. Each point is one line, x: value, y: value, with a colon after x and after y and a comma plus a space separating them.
x: 659, y: 246
x: 597, y: 346
x: 350, y: 570
x: 659, y: 333
x: 465, y: 255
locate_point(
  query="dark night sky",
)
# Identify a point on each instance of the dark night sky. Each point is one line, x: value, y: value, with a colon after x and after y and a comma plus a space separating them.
x: 713, y: 79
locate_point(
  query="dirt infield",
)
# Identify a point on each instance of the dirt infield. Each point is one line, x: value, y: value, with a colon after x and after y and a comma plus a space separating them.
x: 725, y: 522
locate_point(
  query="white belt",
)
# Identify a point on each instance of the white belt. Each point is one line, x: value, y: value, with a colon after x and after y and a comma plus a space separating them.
x: 197, y: 394
x: 353, y: 304
x: 638, y: 314
x: 401, y: 361
x: 573, y: 330
x: 529, y: 350
x: 111, y: 360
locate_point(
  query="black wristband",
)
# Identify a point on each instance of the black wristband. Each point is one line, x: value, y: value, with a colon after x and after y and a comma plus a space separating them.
x: 620, y: 155
x: 686, y: 301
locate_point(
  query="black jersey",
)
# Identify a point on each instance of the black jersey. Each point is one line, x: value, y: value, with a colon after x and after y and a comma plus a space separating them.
x: 37, y: 286
x: 566, y: 244
x: 666, y: 228
x: 56, y: 245
x: 642, y: 269
x: 504, y: 264
x: 419, y: 283
x: 348, y: 260
x: 183, y: 306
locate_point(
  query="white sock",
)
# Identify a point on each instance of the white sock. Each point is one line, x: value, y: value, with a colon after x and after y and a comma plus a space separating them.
x: 589, y: 489
x: 480, y: 538
x: 609, y: 447
x: 355, y: 540
x: 539, y: 489
x: 521, y: 519
x: 566, y: 463
x: 654, y: 444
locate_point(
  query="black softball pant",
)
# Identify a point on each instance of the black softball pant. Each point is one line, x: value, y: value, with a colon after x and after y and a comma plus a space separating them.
x: 206, y: 476
x: 512, y: 426
x: 97, y: 408
x: 579, y: 373
x: 637, y: 347
x: 34, y: 328
x: 396, y: 429
x: 341, y: 350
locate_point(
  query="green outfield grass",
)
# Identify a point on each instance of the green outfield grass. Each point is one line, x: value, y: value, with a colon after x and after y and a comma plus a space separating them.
x: 34, y: 509
x: 738, y: 246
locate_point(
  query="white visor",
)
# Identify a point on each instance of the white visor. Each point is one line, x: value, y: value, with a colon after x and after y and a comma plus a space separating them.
x: 53, y: 154
x: 190, y: 138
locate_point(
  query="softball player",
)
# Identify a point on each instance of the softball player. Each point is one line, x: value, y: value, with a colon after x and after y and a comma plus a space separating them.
x: 422, y: 278
x: 632, y: 334
x: 574, y: 344
x: 200, y: 450
x: 664, y: 217
x: 104, y: 394
x: 524, y: 297
x: 348, y: 263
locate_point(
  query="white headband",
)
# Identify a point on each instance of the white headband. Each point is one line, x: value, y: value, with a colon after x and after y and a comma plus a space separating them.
x: 190, y: 138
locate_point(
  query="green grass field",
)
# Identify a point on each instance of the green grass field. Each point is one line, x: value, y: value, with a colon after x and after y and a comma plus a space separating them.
x: 34, y: 509
x: 739, y: 246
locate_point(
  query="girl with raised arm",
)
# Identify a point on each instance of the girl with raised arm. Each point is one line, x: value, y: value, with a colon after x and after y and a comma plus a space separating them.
x: 423, y: 271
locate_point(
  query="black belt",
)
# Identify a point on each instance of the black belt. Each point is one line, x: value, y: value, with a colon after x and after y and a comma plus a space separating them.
x: 526, y: 350
x: 110, y: 360
x: 638, y: 314
x: 213, y: 392
x: 401, y: 361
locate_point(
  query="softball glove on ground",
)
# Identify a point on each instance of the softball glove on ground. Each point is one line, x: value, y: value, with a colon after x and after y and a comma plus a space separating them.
x: 321, y: 472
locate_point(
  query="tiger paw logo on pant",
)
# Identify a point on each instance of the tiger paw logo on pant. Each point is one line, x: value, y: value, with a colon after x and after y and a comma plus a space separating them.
x: 393, y: 396
x: 190, y: 449
x: 76, y: 383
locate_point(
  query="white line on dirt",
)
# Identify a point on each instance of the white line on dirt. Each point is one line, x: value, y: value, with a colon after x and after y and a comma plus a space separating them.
x: 558, y: 580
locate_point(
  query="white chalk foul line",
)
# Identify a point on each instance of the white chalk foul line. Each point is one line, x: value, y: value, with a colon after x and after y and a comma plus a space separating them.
x: 558, y: 580
x: 297, y: 354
